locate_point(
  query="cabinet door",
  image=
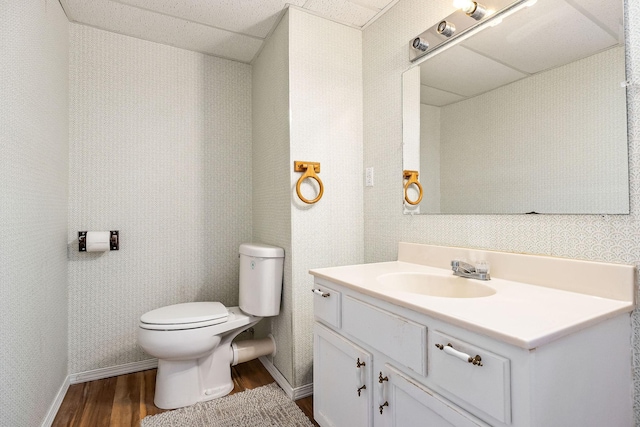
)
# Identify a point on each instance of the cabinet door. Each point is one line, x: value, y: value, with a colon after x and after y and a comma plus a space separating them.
x: 342, y: 395
x: 406, y: 403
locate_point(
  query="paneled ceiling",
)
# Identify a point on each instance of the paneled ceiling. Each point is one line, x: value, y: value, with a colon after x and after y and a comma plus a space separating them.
x: 233, y: 29
x: 547, y: 35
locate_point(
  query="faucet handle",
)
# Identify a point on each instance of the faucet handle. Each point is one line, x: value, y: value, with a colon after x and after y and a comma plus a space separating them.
x: 462, y: 265
x: 482, y: 267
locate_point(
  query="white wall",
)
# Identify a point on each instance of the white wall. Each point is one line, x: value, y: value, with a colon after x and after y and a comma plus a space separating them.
x: 430, y: 159
x: 33, y: 208
x: 325, y: 68
x: 520, y: 166
x: 271, y: 176
x: 614, y: 238
x: 307, y: 106
x: 160, y: 142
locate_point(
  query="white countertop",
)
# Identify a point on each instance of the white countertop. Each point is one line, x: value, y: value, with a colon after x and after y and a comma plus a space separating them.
x: 520, y: 314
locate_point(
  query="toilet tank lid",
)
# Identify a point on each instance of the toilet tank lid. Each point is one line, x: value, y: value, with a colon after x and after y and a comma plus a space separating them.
x: 190, y: 312
x: 261, y: 250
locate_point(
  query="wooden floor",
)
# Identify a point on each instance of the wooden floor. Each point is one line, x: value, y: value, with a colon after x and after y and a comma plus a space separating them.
x: 125, y: 400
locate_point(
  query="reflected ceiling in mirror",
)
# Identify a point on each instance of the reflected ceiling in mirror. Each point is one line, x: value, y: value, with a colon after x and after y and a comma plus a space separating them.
x: 528, y: 116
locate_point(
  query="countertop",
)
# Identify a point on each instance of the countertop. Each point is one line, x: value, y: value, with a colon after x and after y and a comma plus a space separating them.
x: 520, y: 314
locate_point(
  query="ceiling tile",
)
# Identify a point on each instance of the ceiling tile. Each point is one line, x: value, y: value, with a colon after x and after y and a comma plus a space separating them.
x: 436, y: 97
x: 608, y: 13
x: 250, y: 17
x: 135, y: 22
x: 463, y: 72
x: 342, y: 11
x: 372, y: 4
x: 232, y: 29
x: 549, y: 34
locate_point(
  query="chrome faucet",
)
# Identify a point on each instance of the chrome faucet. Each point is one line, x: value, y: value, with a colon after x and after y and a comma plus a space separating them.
x: 479, y: 271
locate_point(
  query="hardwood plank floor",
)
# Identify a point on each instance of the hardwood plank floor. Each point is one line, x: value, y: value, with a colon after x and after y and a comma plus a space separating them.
x: 125, y: 400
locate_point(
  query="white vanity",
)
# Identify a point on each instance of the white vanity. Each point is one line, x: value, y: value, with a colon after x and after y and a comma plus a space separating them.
x: 546, y: 342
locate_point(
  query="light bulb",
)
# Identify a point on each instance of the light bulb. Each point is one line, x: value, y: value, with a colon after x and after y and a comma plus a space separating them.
x: 464, y: 5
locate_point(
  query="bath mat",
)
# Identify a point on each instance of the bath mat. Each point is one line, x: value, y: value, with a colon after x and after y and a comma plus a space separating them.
x: 265, y: 406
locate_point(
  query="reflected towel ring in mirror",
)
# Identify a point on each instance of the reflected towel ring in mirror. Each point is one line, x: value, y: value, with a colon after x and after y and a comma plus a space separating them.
x: 412, y: 177
x: 310, y: 169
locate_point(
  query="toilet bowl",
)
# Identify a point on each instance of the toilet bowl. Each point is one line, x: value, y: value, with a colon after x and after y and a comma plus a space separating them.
x: 193, y: 341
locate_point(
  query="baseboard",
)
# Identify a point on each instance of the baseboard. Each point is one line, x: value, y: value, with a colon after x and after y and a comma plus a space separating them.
x: 293, y: 393
x: 57, y: 402
x: 128, y: 368
x: 113, y: 371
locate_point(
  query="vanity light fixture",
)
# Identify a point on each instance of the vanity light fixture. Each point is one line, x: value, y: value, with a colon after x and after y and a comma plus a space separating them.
x: 420, y: 44
x: 473, y: 9
x: 458, y: 26
x: 446, y: 28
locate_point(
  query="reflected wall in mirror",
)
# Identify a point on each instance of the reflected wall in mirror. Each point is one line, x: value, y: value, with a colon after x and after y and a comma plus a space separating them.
x: 528, y: 116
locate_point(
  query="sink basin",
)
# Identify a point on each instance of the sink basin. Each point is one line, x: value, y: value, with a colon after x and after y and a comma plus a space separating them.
x: 435, y: 285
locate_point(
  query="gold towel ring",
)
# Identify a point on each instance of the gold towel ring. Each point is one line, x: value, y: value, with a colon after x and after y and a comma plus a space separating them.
x: 309, y: 169
x: 412, y: 177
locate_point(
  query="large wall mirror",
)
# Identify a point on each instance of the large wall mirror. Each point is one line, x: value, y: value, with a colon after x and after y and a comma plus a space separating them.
x: 528, y: 116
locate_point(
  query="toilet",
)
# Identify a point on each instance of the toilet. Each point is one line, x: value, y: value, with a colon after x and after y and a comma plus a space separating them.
x: 193, y: 341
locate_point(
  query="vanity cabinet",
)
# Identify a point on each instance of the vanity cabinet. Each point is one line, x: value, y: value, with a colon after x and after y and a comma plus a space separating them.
x: 421, y: 370
x: 343, y: 369
x: 402, y: 401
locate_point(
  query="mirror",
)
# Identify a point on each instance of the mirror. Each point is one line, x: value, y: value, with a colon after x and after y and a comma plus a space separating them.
x: 528, y: 116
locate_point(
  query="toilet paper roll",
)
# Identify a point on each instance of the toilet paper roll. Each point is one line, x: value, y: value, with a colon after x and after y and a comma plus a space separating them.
x: 98, y: 241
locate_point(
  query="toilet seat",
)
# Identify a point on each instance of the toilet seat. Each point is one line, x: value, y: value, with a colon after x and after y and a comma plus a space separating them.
x: 190, y: 315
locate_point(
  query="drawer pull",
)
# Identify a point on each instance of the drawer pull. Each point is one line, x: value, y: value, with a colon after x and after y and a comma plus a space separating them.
x: 381, y: 407
x: 359, y: 375
x: 476, y: 360
x: 319, y: 292
x: 382, y: 395
x: 364, y: 387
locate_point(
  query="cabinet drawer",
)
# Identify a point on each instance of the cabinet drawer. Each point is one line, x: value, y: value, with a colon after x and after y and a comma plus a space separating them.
x: 326, y: 304
x: 486, y: 385
x: 401, y: 339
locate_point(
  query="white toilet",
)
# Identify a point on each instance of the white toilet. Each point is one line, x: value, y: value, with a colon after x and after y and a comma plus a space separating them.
x: 192, y: 341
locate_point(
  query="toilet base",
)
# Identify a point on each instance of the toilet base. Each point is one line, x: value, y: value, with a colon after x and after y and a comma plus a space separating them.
x: 180, y: 382
x: 186, y: 382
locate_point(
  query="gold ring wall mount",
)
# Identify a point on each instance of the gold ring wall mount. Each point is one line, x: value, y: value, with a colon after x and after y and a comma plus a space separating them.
x: 412, y: 178
x: 310, y: 169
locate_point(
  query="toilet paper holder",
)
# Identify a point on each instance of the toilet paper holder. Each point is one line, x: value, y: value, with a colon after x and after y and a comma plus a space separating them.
x: 114, y: 241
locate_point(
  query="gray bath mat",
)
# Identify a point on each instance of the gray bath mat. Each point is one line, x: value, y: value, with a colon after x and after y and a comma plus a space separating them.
x: 265, y: 406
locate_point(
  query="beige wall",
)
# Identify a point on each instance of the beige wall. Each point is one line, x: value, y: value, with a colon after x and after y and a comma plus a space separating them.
x: 614, y: 238
x: 325, y: 66
x: 271, y: 176
x: 160, y: 142
x: 319, y: 110
x: 34, y: 159
x: 591, y: 132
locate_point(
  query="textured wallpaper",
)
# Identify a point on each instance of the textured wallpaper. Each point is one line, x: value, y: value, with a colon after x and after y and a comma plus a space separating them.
x: 591, y: 131
x: 33, y: 208
x: 325, y: 69
x: 307, y: 106
x: 160, y: 143
x: 613, y: 238
x: 271, y: 195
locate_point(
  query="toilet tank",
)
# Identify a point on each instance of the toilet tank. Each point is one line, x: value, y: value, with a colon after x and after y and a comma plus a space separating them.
x: 260, y: 279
